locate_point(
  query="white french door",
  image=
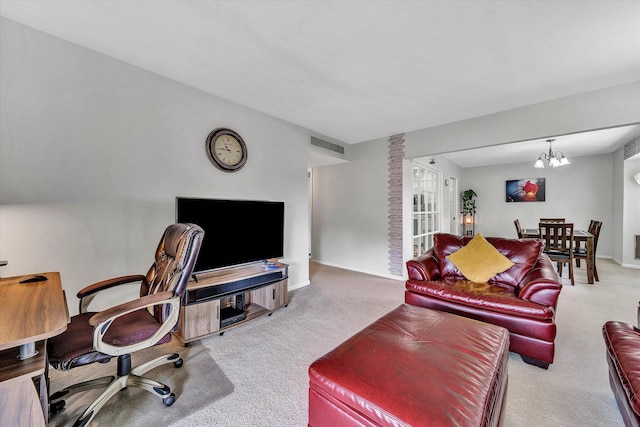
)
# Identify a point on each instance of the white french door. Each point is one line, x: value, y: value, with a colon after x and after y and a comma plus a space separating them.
x: 427, y: 206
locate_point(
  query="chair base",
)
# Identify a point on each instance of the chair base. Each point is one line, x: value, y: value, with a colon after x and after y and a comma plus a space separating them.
x: 127, y: 377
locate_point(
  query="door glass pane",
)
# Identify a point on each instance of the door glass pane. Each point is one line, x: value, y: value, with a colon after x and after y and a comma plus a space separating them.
x: 426, y: 207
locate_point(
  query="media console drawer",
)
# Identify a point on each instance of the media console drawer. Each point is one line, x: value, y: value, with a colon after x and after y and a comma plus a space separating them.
x: 228, y: 298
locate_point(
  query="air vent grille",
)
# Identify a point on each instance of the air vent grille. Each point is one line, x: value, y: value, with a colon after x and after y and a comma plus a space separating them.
x: 632, y: 148
x: 317, y: 142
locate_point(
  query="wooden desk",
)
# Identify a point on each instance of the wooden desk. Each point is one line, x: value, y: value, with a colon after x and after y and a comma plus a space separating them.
x: 31, y: 313
x: 578, y: 236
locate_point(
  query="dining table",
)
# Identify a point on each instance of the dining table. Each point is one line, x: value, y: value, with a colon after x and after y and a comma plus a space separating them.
x: 578, y: 236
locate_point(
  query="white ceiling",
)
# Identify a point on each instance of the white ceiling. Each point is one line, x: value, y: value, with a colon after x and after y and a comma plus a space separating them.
x: 361, y: 70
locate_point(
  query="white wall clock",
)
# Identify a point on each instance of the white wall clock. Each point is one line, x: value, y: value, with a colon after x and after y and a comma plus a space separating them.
x: 226, y: 150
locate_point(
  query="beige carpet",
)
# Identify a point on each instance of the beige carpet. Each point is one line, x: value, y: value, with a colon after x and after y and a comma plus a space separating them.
x: 267, y: 360
x: 198, y: 383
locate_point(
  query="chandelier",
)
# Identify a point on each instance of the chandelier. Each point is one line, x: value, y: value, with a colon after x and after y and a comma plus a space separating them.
x: 554, y: 160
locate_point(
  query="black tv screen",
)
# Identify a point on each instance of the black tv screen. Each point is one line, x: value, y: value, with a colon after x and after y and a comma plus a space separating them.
x: 235, y: 231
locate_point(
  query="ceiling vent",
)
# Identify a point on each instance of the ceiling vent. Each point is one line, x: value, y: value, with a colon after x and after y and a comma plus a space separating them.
x: 321, y: 143
x: 632, y: 148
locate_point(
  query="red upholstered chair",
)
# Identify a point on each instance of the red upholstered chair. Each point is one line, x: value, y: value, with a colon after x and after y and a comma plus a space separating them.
x: 128, y: 327
x: 521, y: 299
x: 622, y: 341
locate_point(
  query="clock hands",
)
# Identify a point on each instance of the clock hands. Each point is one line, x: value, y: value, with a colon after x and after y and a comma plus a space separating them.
x: 229, y: 149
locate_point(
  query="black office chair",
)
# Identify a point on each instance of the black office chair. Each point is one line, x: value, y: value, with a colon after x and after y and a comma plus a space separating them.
x: 132, y: 326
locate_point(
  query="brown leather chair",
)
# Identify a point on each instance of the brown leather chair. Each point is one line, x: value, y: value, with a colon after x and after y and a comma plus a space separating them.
x: 581, y: 253
x: 518, y: 229
x: 132, y: 326
x: 558, y: 244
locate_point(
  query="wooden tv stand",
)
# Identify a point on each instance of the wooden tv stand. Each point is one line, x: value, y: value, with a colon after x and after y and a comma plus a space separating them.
x: 220, y: 300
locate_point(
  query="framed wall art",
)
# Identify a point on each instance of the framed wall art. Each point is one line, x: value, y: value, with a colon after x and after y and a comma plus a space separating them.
x: 526, y: 190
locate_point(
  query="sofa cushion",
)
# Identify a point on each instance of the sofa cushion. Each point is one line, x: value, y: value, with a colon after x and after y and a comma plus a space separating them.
x: 480, y: 296
x: 479, y: 260
x: 523, y: 253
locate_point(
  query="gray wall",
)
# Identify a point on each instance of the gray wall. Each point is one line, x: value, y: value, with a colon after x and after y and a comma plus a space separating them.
x: 349, y: 221
x: 631, y: 210
x: 610, y: 107
x: 578, y: 192
x: 94, y: 151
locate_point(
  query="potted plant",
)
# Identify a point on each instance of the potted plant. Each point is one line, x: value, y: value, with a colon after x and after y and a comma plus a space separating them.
x: 469, y: 202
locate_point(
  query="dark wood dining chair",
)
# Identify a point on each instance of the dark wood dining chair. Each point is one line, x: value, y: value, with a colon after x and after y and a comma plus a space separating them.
x: 552, y: 219
x: 581, y: 253
x: 558, y: 244
x: 518, y: 229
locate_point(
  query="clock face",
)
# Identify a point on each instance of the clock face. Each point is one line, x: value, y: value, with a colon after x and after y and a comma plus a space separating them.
x: 226, y: 150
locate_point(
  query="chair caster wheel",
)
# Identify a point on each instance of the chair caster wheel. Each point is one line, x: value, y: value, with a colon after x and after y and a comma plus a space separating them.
x: 56, y: 407
x: 168, y: 401
x: 178, y: 363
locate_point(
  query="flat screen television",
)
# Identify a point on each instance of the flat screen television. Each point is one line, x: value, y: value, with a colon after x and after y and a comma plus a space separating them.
x: 236, y: 232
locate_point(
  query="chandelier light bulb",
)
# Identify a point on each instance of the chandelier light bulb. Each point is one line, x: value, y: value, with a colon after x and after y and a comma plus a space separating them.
x: 539, y: 163
x: 554, y: 160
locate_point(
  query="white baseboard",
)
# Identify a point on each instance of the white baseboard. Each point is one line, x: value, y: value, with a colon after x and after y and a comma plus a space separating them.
x: 298, y: 286
x: 626, y: 265
x: 344, y: 267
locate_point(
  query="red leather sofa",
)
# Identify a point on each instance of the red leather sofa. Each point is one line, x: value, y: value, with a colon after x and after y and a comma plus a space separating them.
x: 622, y: 341
x: 521, y: 299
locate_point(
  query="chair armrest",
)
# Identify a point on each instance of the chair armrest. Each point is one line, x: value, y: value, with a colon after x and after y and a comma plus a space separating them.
x: 541, y: 286
x: 638, y: 324
x: 88, y: 293
x: 424, y: 267
x: 129, y: 306
x: 102, y: 321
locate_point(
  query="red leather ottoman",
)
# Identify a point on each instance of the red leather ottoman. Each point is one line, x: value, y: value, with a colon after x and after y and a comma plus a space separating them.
x: 413, y: 367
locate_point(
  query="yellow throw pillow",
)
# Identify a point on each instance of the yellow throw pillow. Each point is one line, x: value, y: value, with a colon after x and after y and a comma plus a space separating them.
x: 479, y: 260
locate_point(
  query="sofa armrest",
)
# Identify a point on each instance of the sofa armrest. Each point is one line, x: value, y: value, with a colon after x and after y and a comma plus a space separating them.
x: 424, y: 267
x: 541, y: 285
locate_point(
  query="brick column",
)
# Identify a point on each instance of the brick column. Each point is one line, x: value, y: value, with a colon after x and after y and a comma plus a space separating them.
x: 396, y: 155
